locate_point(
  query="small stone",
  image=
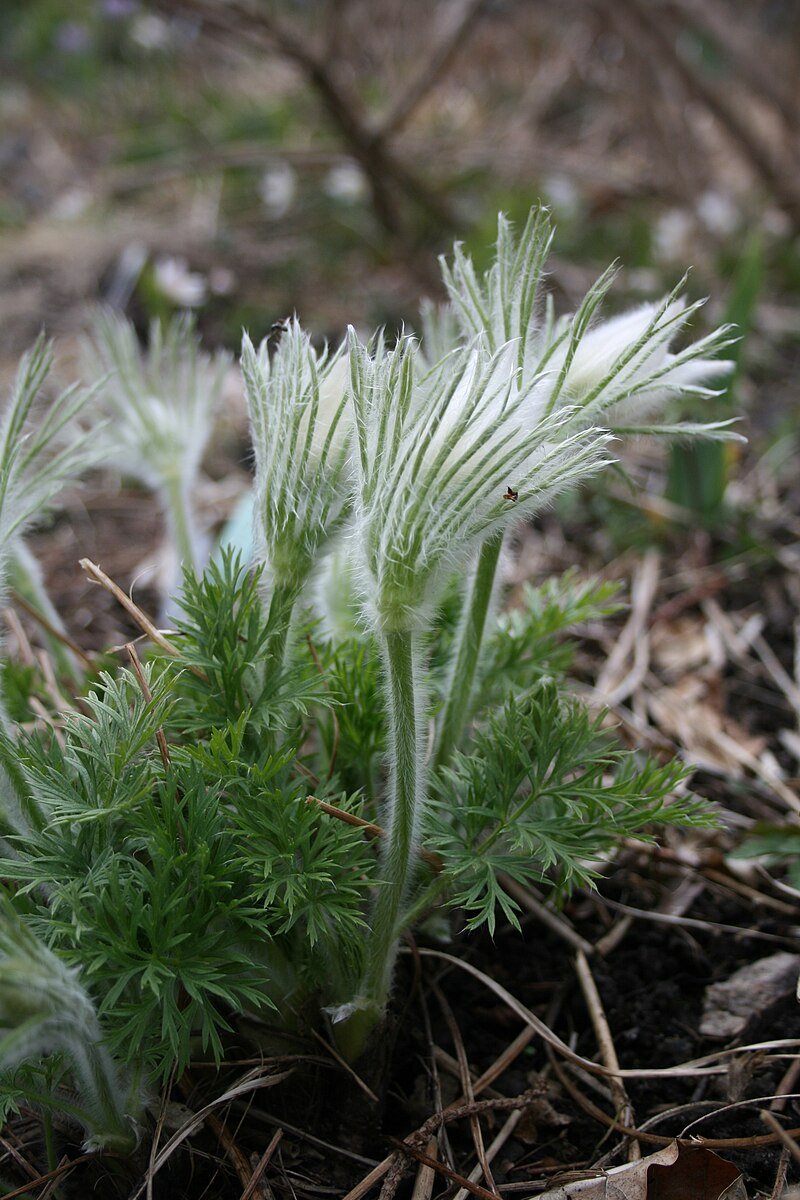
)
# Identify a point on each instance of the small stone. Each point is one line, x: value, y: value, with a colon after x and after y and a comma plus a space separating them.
x: 729, y: 1005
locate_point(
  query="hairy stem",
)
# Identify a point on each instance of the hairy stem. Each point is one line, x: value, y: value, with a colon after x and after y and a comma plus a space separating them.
x: 467, y: 650
x: 25, y: 576
x: 109, y: 1125
x: 398, y: 857
x: 181, y: 522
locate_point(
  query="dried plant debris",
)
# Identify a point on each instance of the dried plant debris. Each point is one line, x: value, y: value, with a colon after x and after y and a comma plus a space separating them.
x: 678, y: 1172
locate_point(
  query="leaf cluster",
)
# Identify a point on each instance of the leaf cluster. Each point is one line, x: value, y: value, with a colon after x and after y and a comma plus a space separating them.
x: 178, y: 886
x: 545, y: 793
x: 529, y: 640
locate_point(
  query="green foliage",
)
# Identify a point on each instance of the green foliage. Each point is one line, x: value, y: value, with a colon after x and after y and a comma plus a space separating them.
x: 172, y: 885
x: 529, y: 641
x: 225, y: 644
x: 699, y: 472
x: 353, y: 734
x: 544, y: 791
x: 776, y: 846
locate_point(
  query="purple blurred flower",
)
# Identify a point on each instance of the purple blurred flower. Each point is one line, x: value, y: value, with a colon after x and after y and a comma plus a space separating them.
x: 72, y: 37
x: 118, y: 10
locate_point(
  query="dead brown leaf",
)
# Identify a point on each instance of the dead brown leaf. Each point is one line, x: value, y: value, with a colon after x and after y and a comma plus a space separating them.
x: 678, y: 1172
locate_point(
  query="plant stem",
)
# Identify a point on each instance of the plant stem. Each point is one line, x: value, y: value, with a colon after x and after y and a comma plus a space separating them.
x: 467, y: 650
x: 26, y: 578
x: 49, y: 1144
x: 398, y: 858
x: 181, y: 522
x: 102, y: 1087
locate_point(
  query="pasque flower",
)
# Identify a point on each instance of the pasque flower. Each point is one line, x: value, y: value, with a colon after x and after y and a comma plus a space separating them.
x: 445, y: 458
x: 301, y: 428
x: 444, y: 461
x: 161, y: 403
x: 44, y: 1009
x: 42, y: 448
x: 618, y: 374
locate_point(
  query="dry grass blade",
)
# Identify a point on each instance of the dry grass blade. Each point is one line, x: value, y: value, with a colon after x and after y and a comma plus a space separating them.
x: 369, y: 1181
x: 365, y: 1088
x: 250, y: 1083
x: 50, y: 1189
x: 474, y: 1189
x: 552, y: 920
x: 710, y: 1064
x: 135, y: 613
x: 53, y: 631
x: 426, y: 1176
x: 779, y: 1186
x: 466, y: 1084
x: 261, y: 1166
x: 18, y: 1158
x: 493, y: 1149
x: 606, y: 1044
x: 664, y: 918
x: 613, y: 686
x: 62, y: 1169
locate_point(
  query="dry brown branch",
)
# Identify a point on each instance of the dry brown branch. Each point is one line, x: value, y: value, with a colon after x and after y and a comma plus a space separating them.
x: 250, y: 1083
x: 657, y: 28
x: 441, y: 58
x: 385, y: 172
x: 141, y: 619
x: 736, y: 40
x: 553, y: 921
x: 136, y: 663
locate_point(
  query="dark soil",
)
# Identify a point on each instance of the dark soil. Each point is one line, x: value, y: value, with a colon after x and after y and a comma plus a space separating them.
x: 652, y: 988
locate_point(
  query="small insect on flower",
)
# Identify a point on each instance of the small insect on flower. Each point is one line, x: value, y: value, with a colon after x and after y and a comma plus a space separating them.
x: 280, y: 326
x: 510, y: 494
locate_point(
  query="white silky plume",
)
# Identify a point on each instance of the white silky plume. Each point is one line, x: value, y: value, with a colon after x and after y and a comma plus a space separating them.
x: 443, y: 461
x: 653, y: 376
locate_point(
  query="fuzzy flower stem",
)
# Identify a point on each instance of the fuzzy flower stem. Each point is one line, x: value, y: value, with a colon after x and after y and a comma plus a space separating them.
x: 467, y: 649
x: 111, y: 1128
x: 25, y: 577
x: 398, y: 859
x: 181, y: 523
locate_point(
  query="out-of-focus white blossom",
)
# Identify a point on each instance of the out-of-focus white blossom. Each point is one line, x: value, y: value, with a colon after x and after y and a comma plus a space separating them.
x: 159, y: 404
x: 185, y: 288
x: 345, y: 182
x: 277, y: 188
x: 718, y: 212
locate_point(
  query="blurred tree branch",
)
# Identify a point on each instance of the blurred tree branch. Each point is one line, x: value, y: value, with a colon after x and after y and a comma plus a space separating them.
x: 653, y: 32
x: 388, y: 175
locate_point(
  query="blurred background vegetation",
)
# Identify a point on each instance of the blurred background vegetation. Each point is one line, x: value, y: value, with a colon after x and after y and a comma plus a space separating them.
x: 248, y: 159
